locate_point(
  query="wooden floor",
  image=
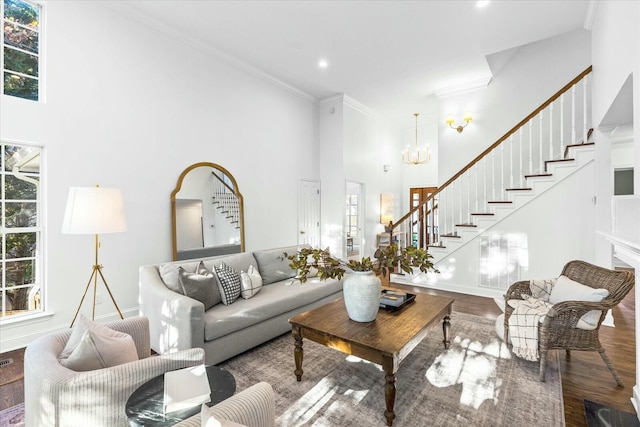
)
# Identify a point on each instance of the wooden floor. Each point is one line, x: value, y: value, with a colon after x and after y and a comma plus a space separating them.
x: 585, y: 376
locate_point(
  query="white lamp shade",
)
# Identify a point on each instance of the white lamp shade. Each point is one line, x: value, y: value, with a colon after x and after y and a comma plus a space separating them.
x: 94, y: 210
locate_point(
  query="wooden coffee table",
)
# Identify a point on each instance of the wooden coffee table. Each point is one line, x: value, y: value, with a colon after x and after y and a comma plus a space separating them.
x: 386, y: 341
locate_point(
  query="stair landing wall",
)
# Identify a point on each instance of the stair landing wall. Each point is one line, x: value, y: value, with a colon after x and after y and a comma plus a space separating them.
x: 534, y: 242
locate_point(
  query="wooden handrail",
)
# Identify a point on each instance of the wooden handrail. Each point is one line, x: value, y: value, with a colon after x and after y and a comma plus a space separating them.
x: 496, y: 144
x: 223, y: 183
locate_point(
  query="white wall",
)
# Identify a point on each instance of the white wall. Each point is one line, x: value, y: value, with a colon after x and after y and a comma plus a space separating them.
x: 355, y: 143
x: 533, y: 74
x: 553, y: 229
x: 130, y: 107
x: 616, y: 24
x: 616, y: 58
x: 421, y: 175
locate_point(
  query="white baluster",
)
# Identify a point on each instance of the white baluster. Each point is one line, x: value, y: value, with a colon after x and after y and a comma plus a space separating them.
x: 484, y: 184
x: 573, y: 115
x: 460, y: 210
x: 476, y: 167
x: 521, y: 171
x: 502, y: 168
x: 530, y: 149
x: 562, y: 146
x: 584, y: 109
x: 511, y: 165
x: 469, y: 195
x: 541, y: 166
x: 551, y: 131
x: 493, y: 173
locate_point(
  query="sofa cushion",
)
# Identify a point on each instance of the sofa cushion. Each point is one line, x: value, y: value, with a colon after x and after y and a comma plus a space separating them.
x: 238, y: 262
x: 273, y: 265
x: 273, y: 300
x: 170, y: 277
x: 95, y: 346
x: 228, y: 283
x: 201, y: 286
x: 251, y: 282
x: 566, y: 289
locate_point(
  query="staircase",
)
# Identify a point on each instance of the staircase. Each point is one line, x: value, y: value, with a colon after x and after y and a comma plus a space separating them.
x: 226, y: 200
x: 534, y: 157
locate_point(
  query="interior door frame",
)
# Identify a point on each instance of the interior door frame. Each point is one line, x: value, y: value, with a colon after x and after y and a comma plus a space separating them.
x: 302, y: 208
x: 361, y: 206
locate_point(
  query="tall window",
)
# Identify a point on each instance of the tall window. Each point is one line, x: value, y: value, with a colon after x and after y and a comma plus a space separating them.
x: 21, y: 49
x: 21, y: 232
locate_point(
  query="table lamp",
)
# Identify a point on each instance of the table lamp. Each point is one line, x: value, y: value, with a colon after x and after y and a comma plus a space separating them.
x: 94, y: 210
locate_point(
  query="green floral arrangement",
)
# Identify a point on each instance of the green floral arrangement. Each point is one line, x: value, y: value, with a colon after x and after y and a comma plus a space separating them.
x: 386, y: 261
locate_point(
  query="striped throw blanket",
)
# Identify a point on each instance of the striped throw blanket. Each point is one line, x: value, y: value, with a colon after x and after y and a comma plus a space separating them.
x: 526, y: 317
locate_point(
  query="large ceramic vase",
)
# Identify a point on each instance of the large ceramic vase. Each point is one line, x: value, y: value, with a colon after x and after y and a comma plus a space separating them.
x: 362, y: 295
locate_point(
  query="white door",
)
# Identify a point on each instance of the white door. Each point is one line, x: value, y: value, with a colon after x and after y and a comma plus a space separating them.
x: 309, y: 213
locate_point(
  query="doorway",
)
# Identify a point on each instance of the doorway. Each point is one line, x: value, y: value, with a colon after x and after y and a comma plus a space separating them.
x: 354, y: 219
x: 309, y: 213
x: 424, y: 222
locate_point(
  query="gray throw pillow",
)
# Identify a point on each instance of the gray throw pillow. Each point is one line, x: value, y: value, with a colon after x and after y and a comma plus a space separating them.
x: 200, y: 286
x: 273, y: 266
x: 228, y: 283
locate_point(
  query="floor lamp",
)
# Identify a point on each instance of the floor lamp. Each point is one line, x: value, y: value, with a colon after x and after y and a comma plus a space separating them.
x: 94, y: 210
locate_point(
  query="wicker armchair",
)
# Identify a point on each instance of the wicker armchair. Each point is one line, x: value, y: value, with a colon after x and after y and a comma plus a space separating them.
x: 558, y: 330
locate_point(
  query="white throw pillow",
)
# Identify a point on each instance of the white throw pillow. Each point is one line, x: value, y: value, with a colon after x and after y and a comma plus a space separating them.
x: 251, y: 282
x: 566, y: 289
x: 95, y: 346
x: 208, y: 420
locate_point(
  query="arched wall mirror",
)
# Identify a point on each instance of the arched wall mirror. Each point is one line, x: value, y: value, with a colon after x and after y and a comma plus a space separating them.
x: 207, y: 213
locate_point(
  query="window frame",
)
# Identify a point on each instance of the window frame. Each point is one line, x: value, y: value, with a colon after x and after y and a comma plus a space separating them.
x: 40, y: 55
x: 39, y: 229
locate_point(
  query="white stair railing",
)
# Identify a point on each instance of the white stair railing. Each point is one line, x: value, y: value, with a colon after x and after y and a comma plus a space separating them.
x: 538, y: 139
x: 226, y: 201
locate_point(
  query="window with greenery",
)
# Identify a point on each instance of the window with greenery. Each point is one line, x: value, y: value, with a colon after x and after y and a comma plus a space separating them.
x: 21, y: 49
x: 21, y: 232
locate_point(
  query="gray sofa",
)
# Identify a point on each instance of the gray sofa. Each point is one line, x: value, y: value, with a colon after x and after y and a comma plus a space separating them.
x: 178, y: 322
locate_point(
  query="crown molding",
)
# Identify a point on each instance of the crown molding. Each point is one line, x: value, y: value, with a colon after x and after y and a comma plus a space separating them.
x: 350, y: 102
x: 590, y: 16
x: 465, y: 87
x: 131, y: 12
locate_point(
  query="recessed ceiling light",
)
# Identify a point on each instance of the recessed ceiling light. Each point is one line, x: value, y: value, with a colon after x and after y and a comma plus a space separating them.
x: 323, y: 63
x: 482, y: 3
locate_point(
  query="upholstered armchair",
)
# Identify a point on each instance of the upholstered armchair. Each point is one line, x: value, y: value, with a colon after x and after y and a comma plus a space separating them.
x: 57, y: 396
x: 564, y: 327
x: 252, y: 407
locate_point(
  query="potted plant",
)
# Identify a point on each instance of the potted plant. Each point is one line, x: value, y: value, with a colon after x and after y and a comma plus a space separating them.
x: 361, y: 285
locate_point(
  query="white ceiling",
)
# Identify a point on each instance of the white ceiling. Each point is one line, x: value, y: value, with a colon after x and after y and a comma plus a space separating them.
x: 387, y: 55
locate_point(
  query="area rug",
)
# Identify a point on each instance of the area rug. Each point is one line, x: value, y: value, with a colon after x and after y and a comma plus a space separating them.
x: 13, y: 416
x: 476, y: 382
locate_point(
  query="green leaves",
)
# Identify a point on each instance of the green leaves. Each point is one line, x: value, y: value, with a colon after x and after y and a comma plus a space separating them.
x: 388, y: 260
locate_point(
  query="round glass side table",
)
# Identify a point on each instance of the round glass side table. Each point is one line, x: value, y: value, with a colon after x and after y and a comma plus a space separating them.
x: 144, y: 407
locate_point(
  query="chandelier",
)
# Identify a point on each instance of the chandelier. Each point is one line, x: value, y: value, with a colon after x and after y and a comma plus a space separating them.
x: 419, y: 157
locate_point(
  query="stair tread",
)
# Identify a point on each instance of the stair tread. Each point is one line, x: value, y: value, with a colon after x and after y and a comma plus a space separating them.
x: 483, y: 214
x: 454, y: 236
x: 518, y: 189
x: 559, y: 160
x: 538, y: 175
x: 566, y: 149
x: 437, y: 246
x: 500, y: 201
x: 466, y: 225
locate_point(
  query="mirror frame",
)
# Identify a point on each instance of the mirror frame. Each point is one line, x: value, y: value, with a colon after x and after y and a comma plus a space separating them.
x: 174, y: 243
